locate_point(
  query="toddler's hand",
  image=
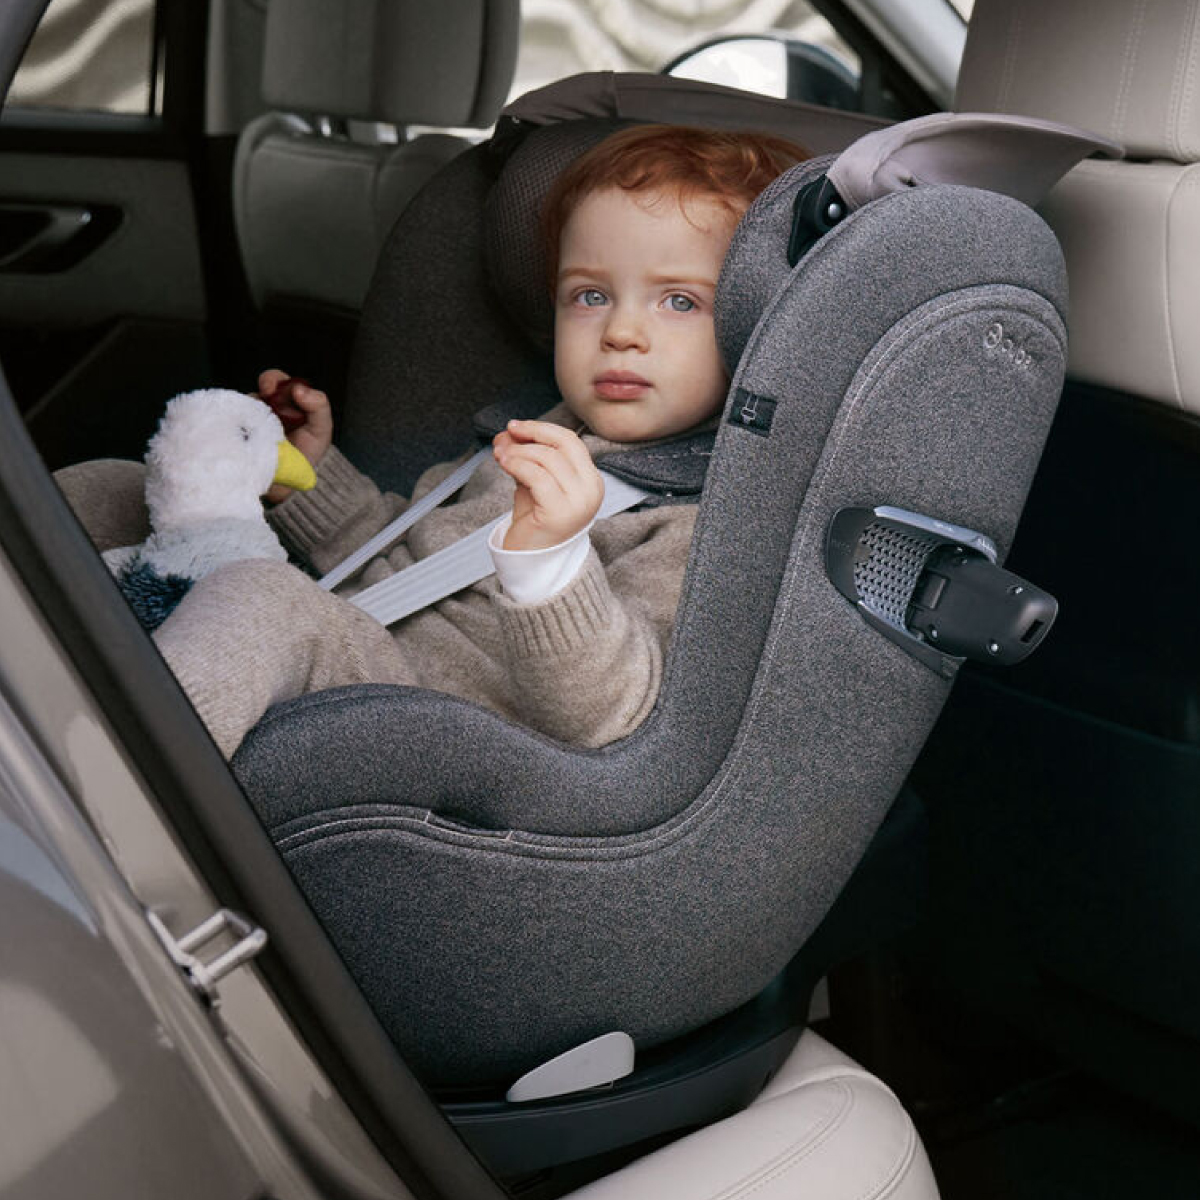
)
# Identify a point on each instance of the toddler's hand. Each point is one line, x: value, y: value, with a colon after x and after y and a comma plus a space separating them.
x: 558, y: 486
x: 314, y: 436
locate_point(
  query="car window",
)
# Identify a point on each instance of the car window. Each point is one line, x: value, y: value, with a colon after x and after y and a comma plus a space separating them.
x: 562, y: 37
x: 91, y: 56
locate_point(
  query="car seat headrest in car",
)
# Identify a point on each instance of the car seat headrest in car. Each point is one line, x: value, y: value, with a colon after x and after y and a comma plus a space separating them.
x: 543, y: 131
x: 1124, y: 70
x: 337, y: 58
x: 1128, y: 71
x: 1019, y: 157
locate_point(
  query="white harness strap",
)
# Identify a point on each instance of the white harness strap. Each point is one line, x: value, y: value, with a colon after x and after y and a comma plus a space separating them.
x: 409, y: 517
x: 457, y: 566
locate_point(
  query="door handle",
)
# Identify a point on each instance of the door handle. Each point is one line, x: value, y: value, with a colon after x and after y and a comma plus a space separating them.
x: 42, y: 238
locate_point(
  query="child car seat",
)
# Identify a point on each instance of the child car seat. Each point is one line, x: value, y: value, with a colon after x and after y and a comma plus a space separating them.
x: 502, y: 898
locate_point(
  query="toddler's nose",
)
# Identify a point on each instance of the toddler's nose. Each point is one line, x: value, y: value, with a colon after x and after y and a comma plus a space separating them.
x: 624, y: 330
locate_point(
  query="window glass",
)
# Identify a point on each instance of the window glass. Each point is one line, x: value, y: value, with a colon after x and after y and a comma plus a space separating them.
x: 963, y: 8
x: 90, y: 55
x: 563, y: 37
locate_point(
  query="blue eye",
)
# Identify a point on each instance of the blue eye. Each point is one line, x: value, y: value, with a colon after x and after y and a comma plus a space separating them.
x: 678, y: 302
x: 591, y: 298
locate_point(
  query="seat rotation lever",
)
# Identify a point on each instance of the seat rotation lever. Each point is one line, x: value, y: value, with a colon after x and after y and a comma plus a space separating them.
x: 934, y: 588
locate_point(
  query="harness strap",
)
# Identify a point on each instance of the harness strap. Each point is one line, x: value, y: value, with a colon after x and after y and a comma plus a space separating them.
x: 466, y: 562
x: 409, y: 517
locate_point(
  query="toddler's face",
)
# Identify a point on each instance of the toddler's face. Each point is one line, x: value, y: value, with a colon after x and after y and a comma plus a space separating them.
x: 635, y: 354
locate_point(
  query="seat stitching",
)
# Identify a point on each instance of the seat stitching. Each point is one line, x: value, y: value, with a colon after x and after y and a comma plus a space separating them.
x: 1185, y: 106
x: 782, y: 1165
x: 1127, y: 71
x: 1181, y: 87
x: 797, y: 1152
x: 1172, y: 358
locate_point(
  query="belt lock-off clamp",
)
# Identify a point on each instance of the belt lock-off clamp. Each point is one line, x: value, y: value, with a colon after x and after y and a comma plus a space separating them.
x: 934, y: 588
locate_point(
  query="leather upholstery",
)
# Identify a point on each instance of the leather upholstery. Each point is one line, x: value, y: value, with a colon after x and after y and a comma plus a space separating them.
x: 823, y: 1129
x: 314, y: 207
x: 1129, y: 71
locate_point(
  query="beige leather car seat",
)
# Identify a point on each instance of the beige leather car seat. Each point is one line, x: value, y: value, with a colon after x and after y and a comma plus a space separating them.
x: 317, y: 184
x: 822, y: 1129
x: 1130, y: 229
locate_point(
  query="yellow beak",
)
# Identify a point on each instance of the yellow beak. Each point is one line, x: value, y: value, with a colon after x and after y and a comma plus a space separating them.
x: 294, y: 470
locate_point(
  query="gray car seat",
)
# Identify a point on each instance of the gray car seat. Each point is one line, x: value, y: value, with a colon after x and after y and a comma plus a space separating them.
x: 502, y: 898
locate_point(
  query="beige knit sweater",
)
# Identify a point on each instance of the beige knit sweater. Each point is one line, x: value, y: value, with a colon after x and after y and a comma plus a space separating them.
x: 583, y: 666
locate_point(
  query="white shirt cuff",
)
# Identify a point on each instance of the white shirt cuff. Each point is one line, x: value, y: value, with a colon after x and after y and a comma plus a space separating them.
x: 530, y: 576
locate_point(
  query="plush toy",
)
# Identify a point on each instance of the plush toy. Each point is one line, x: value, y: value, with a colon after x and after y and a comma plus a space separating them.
x: 215, y: 453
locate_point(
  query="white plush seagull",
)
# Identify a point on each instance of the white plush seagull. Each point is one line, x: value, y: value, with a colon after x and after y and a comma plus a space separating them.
x: 214, y: 455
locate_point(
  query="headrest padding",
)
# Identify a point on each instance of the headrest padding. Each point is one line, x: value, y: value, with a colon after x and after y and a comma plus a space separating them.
x: 756, y: 265
x: 1128, y: 71
x: 401, y: 61
x: 513, y: 250
x: 572, y: 115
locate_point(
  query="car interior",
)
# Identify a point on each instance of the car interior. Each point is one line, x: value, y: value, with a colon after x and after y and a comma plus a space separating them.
x: 864, y: 937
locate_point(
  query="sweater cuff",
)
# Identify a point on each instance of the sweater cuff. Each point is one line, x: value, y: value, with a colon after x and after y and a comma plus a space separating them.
x: 307, y: 519
x: 568, y: 621
x: 531, y: 576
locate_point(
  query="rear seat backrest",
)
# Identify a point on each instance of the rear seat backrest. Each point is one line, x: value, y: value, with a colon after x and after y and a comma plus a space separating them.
x: 314, y: 195
x: 1128, y: 229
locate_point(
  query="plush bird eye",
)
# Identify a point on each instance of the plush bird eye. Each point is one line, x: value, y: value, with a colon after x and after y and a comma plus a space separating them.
x: 245, y: 434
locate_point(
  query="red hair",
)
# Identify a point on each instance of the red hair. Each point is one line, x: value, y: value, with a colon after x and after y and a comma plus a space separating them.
x: 680, y: 160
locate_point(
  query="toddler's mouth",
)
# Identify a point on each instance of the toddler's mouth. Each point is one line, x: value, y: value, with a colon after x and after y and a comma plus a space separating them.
x: 620, y: 385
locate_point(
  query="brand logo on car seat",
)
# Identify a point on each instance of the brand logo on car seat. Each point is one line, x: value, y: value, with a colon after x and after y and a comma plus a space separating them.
x: 997, y: 339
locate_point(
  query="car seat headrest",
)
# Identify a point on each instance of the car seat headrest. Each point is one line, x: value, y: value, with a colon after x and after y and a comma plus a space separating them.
x: 1019, y: 157
x: 401, y: 61
x: 1015, y: 156
x: 551, y: 126
x: 1127, y: 71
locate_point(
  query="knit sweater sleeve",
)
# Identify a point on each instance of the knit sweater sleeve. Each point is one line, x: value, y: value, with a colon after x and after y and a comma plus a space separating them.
x: 584, y: 667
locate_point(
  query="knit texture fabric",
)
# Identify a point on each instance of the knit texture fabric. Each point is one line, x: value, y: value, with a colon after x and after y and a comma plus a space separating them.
x: 583, y: 666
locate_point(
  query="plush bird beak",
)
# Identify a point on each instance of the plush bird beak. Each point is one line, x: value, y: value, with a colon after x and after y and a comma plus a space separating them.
x: 294, y: 470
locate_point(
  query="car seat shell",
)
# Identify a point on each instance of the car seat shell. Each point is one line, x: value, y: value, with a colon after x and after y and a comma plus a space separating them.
x: 501, y: 897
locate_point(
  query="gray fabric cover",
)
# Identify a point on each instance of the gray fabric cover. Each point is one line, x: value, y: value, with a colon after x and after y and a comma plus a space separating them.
x: 501, y: 897
x: 640, y: 96
x: 403, y: 61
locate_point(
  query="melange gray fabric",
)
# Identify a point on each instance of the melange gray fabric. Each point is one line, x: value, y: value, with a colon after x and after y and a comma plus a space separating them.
x: 515, y: 257
x: 501, y: 897
x: 434, y: 344
x: 431, y: 283
x: 402, y: 61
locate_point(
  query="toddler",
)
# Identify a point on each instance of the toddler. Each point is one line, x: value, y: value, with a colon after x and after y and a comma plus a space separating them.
x: 570, y: 634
